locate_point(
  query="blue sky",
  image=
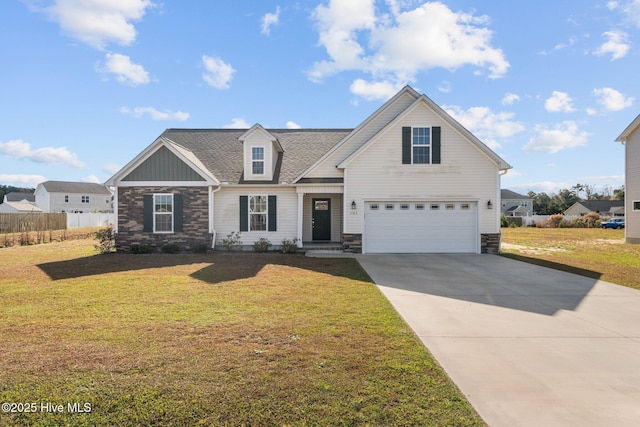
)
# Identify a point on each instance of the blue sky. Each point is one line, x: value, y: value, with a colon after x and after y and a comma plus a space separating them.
x: 87, y: 84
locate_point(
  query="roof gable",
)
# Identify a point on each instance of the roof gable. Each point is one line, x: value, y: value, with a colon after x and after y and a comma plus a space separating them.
x: 629, y: 130
x: 258, y: 128
x: 512, y: 195
x: 163, y: 165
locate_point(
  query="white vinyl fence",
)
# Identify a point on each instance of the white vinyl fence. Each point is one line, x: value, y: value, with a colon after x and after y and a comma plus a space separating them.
x: 80, y: 220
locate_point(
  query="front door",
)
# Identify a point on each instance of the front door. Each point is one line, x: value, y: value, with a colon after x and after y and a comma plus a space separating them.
x: 321, y: 222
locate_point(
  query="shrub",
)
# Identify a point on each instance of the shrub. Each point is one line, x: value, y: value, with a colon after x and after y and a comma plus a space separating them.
x: 170, y: 248
x: 200, y: 248
x: 261, y: 245
x: 289, y: 246
x: 592, y: 220
x: 106, y: 242
x: 140, y: 249
x: 232, y: 240
x: 504, y: 222
x: 556, y: 221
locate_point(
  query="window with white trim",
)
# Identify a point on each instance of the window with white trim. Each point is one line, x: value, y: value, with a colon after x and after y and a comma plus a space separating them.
x: 66, y: 199
x: 374, y: 207
x: 85, y: 199
x: 636, y: 205
x: 257, y: 213
x: 163, y: 213
x: 257, y: 160
x: 421, y: 146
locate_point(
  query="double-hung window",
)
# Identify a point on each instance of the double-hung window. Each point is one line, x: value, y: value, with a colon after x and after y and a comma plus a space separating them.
x: 163, y: 213
x: 257, y: 213
x: 85, y: 199
x: 257, y: 160
x: 421, y: 146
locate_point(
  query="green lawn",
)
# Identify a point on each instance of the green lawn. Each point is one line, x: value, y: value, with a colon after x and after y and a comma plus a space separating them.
x: 593, y: 252
x: 212, y: 339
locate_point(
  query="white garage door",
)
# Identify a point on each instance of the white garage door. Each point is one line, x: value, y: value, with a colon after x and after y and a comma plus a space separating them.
x: 420, y: 227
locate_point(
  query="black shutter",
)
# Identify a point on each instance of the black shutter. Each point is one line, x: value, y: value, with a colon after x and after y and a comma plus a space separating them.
x: 244, y: 213
x: 177, y: 212
x: 272, y: 213
x: 435, y: 148
x: 406, y: 145
x: 147, y: 213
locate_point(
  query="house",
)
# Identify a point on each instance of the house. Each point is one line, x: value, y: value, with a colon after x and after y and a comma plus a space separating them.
x: 17, y: 196
x: 75, y: 197
x: 602, y: 207
x: 514, y: 204
x: 408, y: 179
x: 630, y: 137
x: 17, y: 202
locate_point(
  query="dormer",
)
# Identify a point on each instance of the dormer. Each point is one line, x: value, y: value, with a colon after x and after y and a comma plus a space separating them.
x: 261, y: 151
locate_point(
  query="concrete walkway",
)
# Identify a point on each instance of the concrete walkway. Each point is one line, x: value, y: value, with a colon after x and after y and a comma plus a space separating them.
x: 528, y: 346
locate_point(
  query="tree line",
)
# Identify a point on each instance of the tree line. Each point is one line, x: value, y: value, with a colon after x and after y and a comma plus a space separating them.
x: 4, y: 189
x: 555, y: 203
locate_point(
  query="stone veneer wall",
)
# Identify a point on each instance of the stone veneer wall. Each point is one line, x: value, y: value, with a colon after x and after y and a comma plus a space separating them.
x: 490, y: 243
x: 352, y: 243
x: 131, y: 218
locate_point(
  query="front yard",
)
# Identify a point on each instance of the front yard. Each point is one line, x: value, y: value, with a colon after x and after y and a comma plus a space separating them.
x: 594, y: 252
x: 212, y: 339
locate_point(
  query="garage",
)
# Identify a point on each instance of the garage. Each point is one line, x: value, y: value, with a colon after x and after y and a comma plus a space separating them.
x: 420, y: 227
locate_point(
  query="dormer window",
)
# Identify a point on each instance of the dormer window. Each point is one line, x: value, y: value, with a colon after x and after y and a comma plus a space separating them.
x: 257, y: 160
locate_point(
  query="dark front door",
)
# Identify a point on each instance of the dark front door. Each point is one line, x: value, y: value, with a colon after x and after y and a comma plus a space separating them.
x: 321, y: 222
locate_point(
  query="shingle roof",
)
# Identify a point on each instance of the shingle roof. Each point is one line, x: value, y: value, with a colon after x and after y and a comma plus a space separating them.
x: 509, y: 195
x: 75, y: 187
x: 16, y: 196
x: 221, y: 151
x: 601, y: 205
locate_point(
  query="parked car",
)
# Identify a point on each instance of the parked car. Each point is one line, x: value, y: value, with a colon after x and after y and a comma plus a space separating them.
x: 613, y: 223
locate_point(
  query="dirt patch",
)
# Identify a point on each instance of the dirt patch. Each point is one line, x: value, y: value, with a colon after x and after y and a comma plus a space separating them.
x: 529, y: 249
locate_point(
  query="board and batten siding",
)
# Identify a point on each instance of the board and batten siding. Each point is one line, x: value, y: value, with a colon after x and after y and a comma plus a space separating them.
x: 336, y: 216
x: 465, y: 172
x: 227, y: 213
x: 327, y: 168
x: 632, y: 186
x: 163, y: 165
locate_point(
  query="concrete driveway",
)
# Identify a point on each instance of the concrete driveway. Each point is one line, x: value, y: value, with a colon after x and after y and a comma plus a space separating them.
x: 528, y: 346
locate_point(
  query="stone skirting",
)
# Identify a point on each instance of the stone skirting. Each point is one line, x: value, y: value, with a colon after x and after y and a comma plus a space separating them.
x: 352, y: 243
x: 195, y: 216
x: 490, y: 243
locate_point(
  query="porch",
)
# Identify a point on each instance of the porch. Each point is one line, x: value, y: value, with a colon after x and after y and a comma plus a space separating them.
x: 320, y: 218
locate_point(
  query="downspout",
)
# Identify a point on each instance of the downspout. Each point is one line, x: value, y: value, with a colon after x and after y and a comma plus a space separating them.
x: 211, y: 206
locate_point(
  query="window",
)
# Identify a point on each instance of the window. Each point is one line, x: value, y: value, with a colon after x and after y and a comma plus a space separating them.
x: 464, y: 206
x: 163, y: 213
x: 636, y: 205
x: 421, y: 146
x: 388, y: 207
x: 85, y: 199
x: 374, y: 207
x: 257, y: 160
x: 450, y: 206
x: 257, y: 213
x: 435, y: 207
x: 404, y: 207
x: 419, y: 207
x: 66, y: 199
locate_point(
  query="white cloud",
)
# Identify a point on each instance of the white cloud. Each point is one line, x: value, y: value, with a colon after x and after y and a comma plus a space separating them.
x: 548, y: 187
x: 269, y: 20
x: 98, y: 22
x: 125, y: 71
x: 91, y: 178
x: 293, y: 125
x: 561, y: 137
x: 486, y: 124
x: 111, y: 168
x: 612, y: 5
x: 17, y: 180
x: 237, y: 123
x: 374, y: 90
x: 393, y: 48
x: 218, y: 74
x: 445, y: 87
x: 138, y: 112
x: 559, y: 102
x: 617, y: 45
x: 19, y: 149
x: 612, y: 100
x: 632, y: 10
x: 510, y: 98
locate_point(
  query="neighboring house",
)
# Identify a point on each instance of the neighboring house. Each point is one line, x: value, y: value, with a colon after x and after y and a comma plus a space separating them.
x: 16, y: 202
x: 408, y: 179
x: 514, y: 204
x: 630, y: 137
x: 73, y: 197
x: 601, y: 207
x: 16, y: 196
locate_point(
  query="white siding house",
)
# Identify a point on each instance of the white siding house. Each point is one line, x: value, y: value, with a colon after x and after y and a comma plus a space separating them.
x: 407, y: 179
x: 75, y: 197
x: 630, y: 137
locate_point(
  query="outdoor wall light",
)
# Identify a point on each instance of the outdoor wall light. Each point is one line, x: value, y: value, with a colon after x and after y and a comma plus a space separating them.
x: 489, y: 204
x: 353, y: 205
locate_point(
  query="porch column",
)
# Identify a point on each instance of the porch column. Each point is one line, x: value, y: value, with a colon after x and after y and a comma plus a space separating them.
x: 300, y: 206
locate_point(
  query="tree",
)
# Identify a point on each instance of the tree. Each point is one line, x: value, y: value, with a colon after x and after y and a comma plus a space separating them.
x: 541, y: 202
x: 618, y: 194
x: 562, y: 201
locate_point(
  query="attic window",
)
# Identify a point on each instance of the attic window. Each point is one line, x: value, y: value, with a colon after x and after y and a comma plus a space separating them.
x: 257, y: 160
x: 421, y: 145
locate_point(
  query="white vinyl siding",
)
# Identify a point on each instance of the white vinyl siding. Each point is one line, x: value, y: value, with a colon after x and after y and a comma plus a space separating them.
x: 258, y: 140
x: 336, y: 215
x: 227, y: 213
x: 632, y: 186
x: 464, y: 173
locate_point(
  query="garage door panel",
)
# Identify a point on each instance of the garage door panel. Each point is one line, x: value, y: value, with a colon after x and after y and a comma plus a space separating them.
x: 421, y: 227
